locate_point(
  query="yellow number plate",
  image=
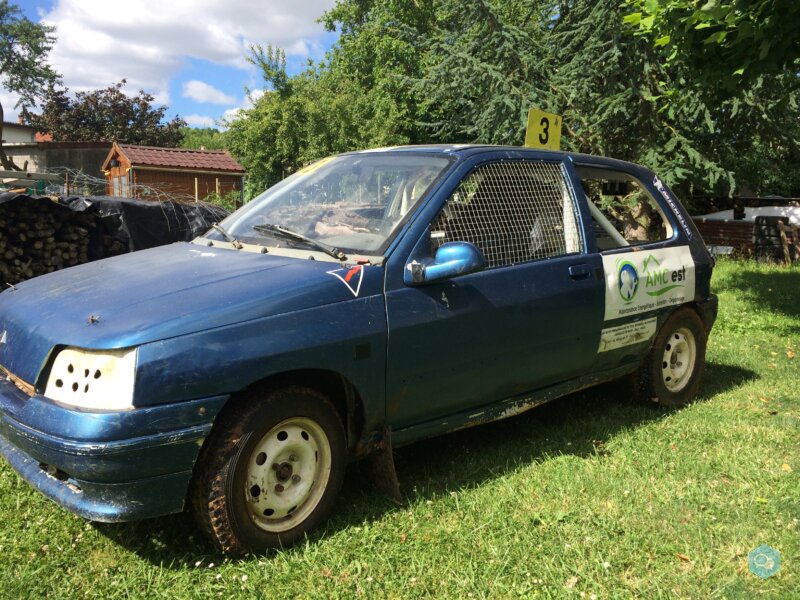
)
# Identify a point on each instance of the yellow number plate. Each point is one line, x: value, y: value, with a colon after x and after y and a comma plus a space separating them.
x: 544, y: 130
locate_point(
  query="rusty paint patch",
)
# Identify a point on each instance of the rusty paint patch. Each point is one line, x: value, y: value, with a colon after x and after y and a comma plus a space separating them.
x: 21, y: 384
x: 396, y: 401
x: 371, y: 443
x: 380, y: 465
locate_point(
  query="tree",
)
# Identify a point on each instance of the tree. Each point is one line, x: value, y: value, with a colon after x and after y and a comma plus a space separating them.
x: 105, y: 115
x: 209, y: 138
x: 379, y: 53
x: 297, y: 120
x: 727, y: 42
x: 24, y: 46
x: 422, y: 71
x: 741, y: 60
x: 359, y: 97
x: 483, y: 63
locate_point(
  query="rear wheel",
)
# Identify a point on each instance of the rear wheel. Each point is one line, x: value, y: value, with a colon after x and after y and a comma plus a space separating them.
x: 270, y: 472
x: 671, y: 373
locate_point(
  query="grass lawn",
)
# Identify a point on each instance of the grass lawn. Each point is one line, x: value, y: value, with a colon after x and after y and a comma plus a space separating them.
x: 590, y: 495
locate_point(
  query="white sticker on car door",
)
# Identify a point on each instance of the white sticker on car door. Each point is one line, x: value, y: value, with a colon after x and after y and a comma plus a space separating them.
x: 627, y: 334
x: 641, y: 281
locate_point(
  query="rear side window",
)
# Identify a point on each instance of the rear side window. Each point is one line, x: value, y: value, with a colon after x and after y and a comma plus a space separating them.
x: 623, y: 212
x: 514, y: 211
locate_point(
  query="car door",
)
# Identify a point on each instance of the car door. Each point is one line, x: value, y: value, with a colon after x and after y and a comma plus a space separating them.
x: 532, y: 318
x: 647, y: 260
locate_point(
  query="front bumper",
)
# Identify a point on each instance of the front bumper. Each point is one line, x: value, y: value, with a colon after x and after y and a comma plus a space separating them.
x: 111, y: 466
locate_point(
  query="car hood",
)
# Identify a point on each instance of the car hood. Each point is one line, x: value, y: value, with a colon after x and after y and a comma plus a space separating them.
x: 156, y: 294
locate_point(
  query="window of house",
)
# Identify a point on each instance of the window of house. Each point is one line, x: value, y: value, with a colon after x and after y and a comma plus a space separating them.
x: 623, y: 212
x: 513, y: 211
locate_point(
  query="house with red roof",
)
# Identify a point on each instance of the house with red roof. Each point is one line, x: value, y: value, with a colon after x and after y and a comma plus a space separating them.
x: 151, y: 173
x: 33, y: 151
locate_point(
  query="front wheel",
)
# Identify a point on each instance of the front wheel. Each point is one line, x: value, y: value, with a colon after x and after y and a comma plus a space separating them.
x: 270, y: 472
x: 671, y: 373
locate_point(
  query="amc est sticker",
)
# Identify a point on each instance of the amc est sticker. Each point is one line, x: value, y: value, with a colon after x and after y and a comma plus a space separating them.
x: 638, y: 282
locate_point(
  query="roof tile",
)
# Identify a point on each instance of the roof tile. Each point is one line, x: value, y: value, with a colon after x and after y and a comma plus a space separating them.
x: 205, y: 160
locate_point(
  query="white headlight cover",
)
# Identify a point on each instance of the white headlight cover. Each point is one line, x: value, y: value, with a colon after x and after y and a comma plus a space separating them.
x: 98, y: 379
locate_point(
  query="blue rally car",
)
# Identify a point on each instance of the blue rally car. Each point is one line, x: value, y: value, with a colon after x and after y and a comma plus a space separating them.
x: 369, y: 300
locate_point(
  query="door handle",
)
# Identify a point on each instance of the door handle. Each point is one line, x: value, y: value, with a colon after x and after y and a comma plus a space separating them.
x: 580, y: 271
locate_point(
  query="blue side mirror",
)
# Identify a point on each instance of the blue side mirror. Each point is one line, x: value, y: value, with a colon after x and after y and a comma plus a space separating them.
x: 452, y: 259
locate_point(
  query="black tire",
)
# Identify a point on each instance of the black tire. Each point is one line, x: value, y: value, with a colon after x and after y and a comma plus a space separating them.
x: 304, y: 434
x: 661, y: 378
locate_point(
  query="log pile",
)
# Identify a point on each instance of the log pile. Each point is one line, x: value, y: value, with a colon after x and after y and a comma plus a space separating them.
x: 39, y: 236
x: 42, y: 234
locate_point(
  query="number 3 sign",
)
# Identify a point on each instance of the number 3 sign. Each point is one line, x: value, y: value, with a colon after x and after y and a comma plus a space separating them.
x: 544, y: 130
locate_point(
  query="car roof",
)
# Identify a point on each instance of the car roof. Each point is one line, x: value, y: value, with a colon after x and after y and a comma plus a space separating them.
x: 467, y: 150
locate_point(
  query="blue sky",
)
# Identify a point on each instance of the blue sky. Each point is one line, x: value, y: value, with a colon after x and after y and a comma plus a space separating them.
x: 188, y: 53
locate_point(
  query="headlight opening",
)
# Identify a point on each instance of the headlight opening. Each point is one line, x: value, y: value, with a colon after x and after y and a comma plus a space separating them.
x: 97, y: 379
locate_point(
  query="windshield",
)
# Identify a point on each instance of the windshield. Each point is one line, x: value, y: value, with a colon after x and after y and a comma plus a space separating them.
x: 352, y: 202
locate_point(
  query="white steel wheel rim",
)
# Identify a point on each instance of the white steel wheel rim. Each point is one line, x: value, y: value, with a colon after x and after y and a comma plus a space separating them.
x: 677, y: 364
x: 287, y: 473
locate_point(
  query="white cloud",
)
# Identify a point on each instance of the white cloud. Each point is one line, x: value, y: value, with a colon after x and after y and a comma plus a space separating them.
x: 233, y: 113
x: 200, y: 91
x: 8, y: 100
x: 250, y: 100
x: 149, y: 41
x: 230, y: 115
x: 160, y: 96
x: 199, y: 121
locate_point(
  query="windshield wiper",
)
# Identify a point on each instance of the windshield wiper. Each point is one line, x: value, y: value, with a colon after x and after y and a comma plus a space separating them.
x: 227, y: 236
x: 288, y: 233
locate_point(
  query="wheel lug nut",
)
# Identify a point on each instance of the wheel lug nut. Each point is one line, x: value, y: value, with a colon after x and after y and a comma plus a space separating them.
x: 278, y: 488
x: 295, y: 478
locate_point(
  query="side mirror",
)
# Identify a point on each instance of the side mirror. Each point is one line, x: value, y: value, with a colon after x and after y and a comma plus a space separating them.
x: 452, y: 259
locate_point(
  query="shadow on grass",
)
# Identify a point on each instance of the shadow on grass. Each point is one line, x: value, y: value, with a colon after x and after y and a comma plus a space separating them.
x: 579, y: 425
x: 774, y: 290
x: 719, y: 378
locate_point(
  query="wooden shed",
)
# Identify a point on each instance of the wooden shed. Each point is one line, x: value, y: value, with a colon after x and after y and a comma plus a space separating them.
x: 151, y: 173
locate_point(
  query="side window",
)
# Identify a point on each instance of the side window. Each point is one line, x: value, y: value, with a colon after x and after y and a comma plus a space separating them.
x: 623, y: 212
x: 514, y: 211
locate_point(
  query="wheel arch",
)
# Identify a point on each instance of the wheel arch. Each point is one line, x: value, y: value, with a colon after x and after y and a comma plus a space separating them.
x: 337, y: 388
x: 693, y: 306
x: 706, y: 310
x: 647, y: 385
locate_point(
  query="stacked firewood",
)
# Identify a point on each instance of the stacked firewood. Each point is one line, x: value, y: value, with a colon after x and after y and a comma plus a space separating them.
x: 39, y: 236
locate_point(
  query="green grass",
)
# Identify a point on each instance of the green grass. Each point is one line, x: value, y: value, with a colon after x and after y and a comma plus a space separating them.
x: 589, y: 495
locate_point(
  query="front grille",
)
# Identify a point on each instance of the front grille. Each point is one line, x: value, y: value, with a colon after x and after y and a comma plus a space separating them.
x: 21, y: 384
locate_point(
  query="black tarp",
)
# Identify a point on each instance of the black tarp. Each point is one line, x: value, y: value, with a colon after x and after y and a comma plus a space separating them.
x: 138, y: 224
x: 40, y: 234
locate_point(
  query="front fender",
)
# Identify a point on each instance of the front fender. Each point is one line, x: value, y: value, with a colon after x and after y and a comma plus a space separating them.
x: 348, y: 338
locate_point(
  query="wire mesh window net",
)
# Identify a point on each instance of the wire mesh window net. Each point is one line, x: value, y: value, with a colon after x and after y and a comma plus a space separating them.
x: 513, y: 211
